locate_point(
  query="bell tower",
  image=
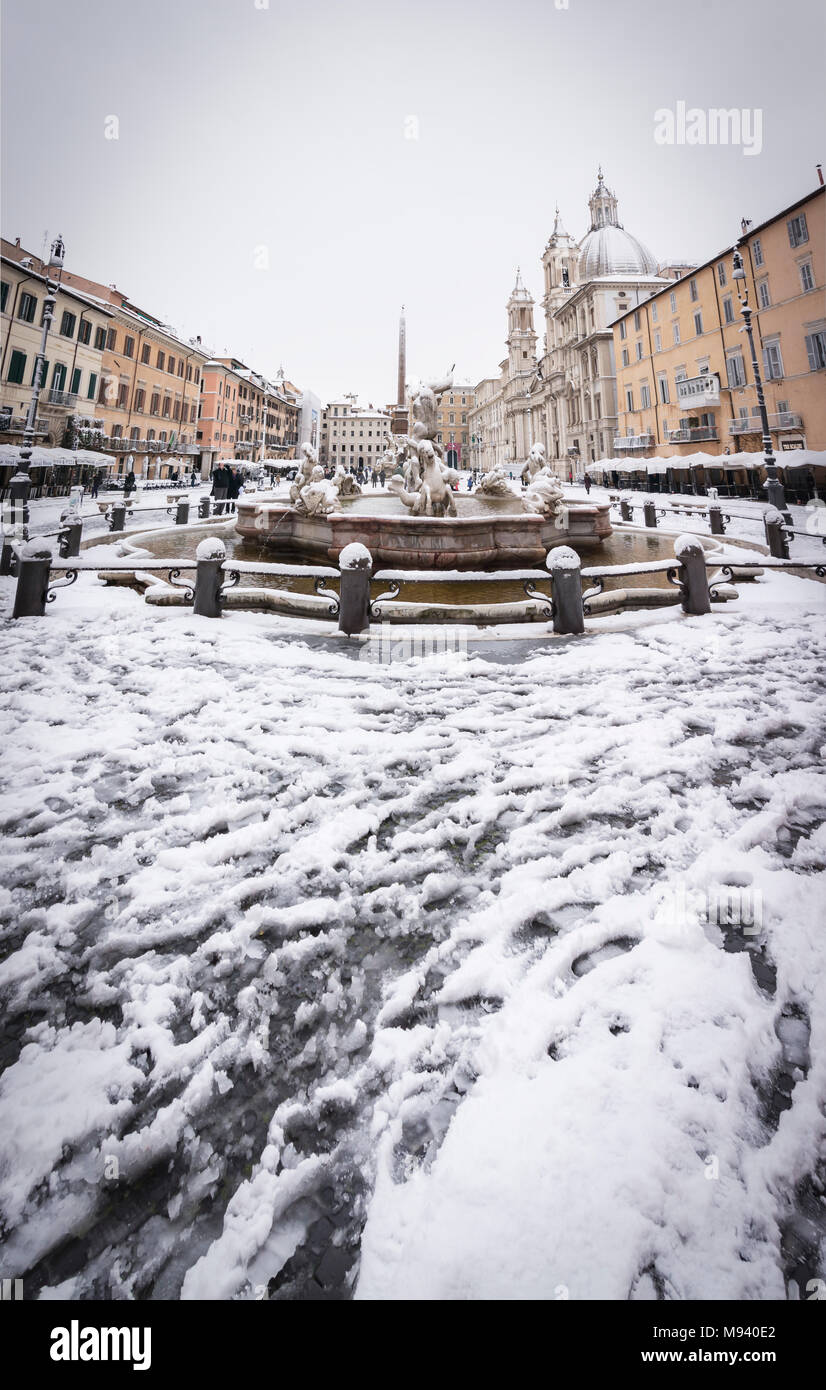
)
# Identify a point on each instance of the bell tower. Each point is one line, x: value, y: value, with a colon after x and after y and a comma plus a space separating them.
x: 521, y: 338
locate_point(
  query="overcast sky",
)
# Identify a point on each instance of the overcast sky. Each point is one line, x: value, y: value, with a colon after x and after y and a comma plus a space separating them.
x: 264, y: 193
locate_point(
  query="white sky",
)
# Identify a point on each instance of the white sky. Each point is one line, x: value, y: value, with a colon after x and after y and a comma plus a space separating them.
x: 284, y: 127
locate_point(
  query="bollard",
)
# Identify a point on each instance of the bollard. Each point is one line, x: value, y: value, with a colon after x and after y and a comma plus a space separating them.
x: 776, y: 537
x: 68, y: 537
x: 33, y: 567
x: 626, y: 511
x: 209, y: 577
x: 203, y: 509
x: 694, y: 594
x: 650, y: 513
x: 116, y: 516
x: 715, y: 519
x: 182, y: 512
x: 563, y: 563
x: 220, y: 500
x: 15, y: 517
x: 356, y: 564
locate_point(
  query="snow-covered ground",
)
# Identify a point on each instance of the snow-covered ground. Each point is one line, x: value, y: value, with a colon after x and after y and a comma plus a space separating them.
x: 498, y: 974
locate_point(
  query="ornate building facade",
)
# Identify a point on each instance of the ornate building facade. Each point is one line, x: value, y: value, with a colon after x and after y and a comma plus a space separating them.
x: 566, y: 398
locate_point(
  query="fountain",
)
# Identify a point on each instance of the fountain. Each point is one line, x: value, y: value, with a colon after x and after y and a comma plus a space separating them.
x: 419, y: 521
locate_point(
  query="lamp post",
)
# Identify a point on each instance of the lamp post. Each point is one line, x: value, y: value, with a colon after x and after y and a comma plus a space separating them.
x: 774, y: 487
x: 20, y: 485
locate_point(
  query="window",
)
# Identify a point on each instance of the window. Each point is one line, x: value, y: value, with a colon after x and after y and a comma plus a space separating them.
x: 816, y: 349
x: 658, y: 341
x: 763, y: 296
x: 58, y: 376
x: 757, y: 251
x: 155, y: 403
x: 129, y: 347
x: 134, y: 433
x: 170, y: 366
x: 676, y: 332
x: 798, y: 231
x: 181, y: 365
x: 167, y: 404
x: 698, y: 323
x: 111, y: 340
x: 146, y: 352
x: 629, y: 398
x: 807, y: 279
x: 645, y: 396
x: 637, y: 320
x: 728, y: 310
x: 721, y: 272
x: 75, y: 386
x: 161, y: 358
x: 693, y: 292
x: 140, y: 398
x: 623, y: 329
x: 639, y: 351
x: 4, y: 293
x: 673, y: 299
x: 654, y: 312
x: 625, y: 357
x: 100, y: 339
x: 123, y: 392
x: 84, y: 332
x: 28, y: 307
x: 67, y: 324
x: 735, y: 370
x: 93, y: 382
x: 662, y: 384
x: 772, y: 361
x: 17, y: 366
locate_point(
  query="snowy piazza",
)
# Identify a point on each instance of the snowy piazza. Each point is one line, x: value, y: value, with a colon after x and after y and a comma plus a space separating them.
x: 412, y: 795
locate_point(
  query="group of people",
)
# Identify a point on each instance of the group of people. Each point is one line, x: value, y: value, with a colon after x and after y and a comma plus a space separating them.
x: 227, y: 483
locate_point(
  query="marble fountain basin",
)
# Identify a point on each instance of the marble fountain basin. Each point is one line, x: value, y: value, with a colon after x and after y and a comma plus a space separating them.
x: 487, y: 532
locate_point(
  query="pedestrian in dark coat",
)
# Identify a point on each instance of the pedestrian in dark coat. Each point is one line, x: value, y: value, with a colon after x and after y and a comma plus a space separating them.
x: 129, y: 484
x: 587, y: 481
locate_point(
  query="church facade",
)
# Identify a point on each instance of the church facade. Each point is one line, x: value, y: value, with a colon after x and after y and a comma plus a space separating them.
x: 565, y: 397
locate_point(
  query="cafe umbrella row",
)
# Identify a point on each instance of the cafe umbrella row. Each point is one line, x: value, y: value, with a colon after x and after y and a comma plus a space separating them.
x: 802, y: 472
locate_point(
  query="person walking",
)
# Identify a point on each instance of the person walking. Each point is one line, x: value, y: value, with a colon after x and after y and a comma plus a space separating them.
x: 587, y: 481
x: 129, y: 485
x: 233, y: 486
x: 382, y: 477
x: 97, y: 479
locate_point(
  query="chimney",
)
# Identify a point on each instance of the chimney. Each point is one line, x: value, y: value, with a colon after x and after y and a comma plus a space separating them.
x: 819, y: 168
x: 17, y: 239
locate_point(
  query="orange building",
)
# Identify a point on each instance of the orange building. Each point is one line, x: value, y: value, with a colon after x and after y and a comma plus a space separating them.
x: 243, y: 416
x: 685, y: 382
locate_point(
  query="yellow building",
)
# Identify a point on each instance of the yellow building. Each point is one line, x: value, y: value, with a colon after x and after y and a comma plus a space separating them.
x: 75, y: 351
x: 453, y: 428
x: 685, y: 382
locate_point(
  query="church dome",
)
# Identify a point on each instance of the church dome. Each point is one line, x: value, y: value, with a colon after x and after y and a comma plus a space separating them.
x: 607, y: 249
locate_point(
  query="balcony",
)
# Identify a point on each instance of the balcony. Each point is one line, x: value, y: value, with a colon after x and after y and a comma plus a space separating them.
x: 752, y: 424
x: 64, y: 398
x: 633, y: 441
x: 691, y: 435
x: 15, y: 424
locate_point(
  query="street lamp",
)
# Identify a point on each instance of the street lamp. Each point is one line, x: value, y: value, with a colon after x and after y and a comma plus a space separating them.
x: 20, y: 485
x: 774, y: 487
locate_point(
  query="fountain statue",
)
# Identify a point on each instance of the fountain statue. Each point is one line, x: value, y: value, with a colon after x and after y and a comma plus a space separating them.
x: 305, y: 469
x: 494, y: 482
x: 344, y: 482
x: 426, y: 487
x: 534, y: 464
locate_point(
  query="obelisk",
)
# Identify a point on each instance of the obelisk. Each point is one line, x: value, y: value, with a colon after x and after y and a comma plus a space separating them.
x: 398, y: 420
